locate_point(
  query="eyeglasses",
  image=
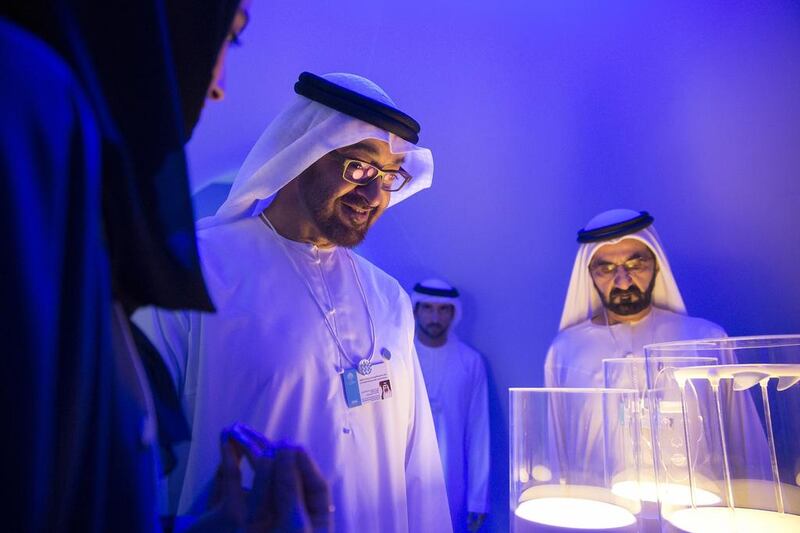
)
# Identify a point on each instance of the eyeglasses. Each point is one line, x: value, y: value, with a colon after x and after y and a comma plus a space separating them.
x: 634, y: 265
x: 361, y: 173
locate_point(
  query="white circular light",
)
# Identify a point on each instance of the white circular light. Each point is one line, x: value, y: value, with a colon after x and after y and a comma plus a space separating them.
x: 740, y: 520
x: 575, y: 513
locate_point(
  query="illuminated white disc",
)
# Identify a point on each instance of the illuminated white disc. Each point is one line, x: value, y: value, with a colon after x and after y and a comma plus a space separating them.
x: 575, y: 513
x: 741, y: 520
x: 671, y: 493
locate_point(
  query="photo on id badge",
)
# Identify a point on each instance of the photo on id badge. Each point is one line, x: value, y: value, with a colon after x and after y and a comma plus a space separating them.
x: 360, y: 389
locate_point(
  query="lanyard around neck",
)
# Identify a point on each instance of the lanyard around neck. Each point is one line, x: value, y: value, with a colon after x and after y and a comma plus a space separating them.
x: 364, y: 365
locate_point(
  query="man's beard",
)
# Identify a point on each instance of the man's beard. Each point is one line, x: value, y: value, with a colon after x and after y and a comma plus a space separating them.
x: 630, y: 301
x: 326, y: 214
x: 433, y: 330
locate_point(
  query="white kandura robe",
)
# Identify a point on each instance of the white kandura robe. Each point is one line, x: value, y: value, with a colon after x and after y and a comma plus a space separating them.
x: 267, y: 359
x: 455, y: 378
x: 575, y: 359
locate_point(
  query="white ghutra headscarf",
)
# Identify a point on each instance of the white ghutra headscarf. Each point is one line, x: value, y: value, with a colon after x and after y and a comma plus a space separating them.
x: 582, y: 301
x: 437, y: 291
x: 300, y: 135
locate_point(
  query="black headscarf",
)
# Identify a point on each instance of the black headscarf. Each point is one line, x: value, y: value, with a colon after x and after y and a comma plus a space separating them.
x: 146, y: 65
x: 196, y: 35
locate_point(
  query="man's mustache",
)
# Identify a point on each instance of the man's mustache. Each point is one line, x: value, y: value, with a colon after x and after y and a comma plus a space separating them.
x: 633, y: 290
x: 356, y: 200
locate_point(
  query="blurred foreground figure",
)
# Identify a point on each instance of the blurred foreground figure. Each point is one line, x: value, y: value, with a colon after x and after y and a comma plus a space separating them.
x: 455, y: 378
x: 311, y: 343
x: 97, y: 220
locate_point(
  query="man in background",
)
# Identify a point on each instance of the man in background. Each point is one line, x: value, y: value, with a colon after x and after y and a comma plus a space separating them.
x: 455, y: 377
x: 622, y: 296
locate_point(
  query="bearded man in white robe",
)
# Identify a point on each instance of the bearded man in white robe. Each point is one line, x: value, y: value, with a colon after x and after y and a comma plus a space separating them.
x: 305, y: 330
x: 622, y: 296
x: 455, y: 378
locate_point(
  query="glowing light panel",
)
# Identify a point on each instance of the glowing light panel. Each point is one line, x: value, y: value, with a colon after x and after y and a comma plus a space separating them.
x: 705, y: 519
x: 575, y: 513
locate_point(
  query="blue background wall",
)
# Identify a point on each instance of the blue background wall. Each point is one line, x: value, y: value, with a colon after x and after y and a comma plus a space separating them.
x: 540, y: 115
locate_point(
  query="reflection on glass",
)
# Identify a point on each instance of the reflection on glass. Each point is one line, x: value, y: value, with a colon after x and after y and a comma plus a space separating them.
x: 640, y: 373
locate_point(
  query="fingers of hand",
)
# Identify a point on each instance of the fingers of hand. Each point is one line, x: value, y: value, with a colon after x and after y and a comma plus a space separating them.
x: 248, y: 442
x: 228, y: 485
x: 260, y: 440
x: 315, y: 490
x: 229, y: 464
x: 288, y: 489
x: 293, y: 513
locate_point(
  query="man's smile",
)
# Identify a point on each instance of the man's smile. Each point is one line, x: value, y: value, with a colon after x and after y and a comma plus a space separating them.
x: 359, y: 215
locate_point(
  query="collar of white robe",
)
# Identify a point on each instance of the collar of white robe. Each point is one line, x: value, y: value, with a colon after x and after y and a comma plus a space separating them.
x: 364, y: 364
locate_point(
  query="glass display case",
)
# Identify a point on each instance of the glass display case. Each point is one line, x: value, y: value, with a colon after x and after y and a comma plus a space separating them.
x: 566, y: 448
x: 641, y: 374
x: 727, y: 434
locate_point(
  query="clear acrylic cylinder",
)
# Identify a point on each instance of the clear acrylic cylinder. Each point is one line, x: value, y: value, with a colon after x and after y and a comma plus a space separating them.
x: 566, y: 446
x: 740, y: 452
x: 640, y: 374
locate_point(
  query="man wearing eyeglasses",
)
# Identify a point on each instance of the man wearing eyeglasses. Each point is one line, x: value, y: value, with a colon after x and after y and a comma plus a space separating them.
x: 621, y: 296
x: 308, y: 336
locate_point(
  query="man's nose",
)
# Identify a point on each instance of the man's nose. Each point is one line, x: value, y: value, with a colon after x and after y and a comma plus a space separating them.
x: 216, y: 91
x: 371, y: 192
x: 622, y: 279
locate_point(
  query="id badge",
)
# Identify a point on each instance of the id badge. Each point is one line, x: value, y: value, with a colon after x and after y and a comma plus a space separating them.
x: 361, y: 389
